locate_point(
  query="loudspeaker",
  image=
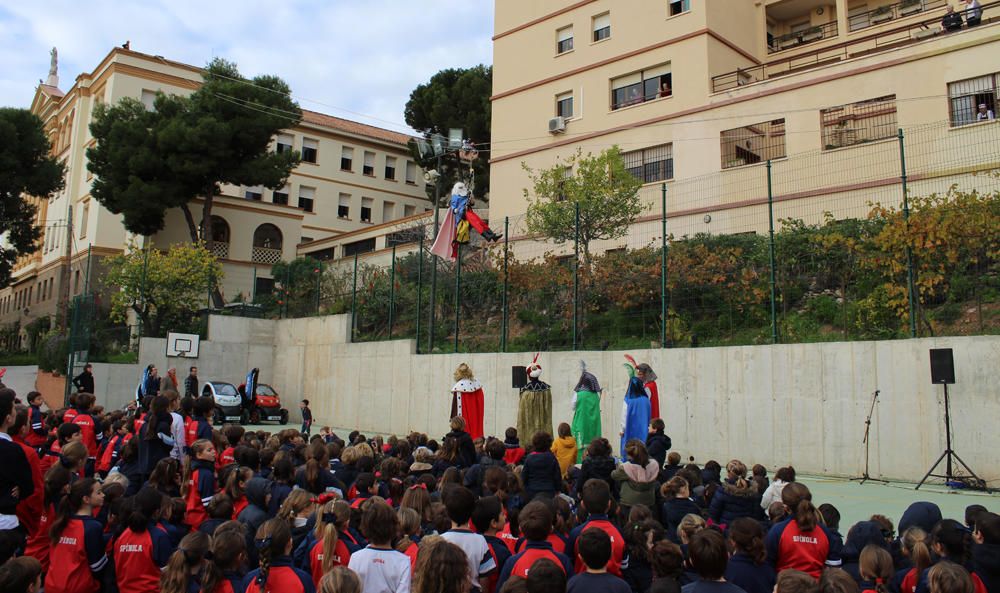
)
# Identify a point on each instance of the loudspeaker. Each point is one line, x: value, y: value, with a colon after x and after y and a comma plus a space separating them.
x: 942, y: 366
x: 518, y: 377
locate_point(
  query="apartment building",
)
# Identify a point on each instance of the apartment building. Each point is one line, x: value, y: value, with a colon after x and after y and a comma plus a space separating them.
x: 353, y: 176
x: 709, y: 91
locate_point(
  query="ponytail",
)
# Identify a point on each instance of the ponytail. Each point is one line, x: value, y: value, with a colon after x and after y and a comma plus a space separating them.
x: 955, y: 540
x: 673, y: 486
x: 875, y: 564
x: 271, y: 541
x: 196, y: 448
x: 74, y: 500
x: 145, y: 506
x: 227, y: 546
x: 318, y: 459
x: 738, y: 472
x: 747, y: 536
x: 329, y: 518
x: 57, y: 479
x: 191, y: 552
x: 917, y: 546
x: 798, y: 499
x: 296, y: 502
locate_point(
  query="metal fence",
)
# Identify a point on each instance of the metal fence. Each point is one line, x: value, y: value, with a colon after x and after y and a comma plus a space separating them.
x: 890, y: 238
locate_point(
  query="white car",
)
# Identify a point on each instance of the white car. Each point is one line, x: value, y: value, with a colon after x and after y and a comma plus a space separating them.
x: 228, y: 402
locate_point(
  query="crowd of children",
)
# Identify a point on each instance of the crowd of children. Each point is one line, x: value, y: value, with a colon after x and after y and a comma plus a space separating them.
x: 154, y: 498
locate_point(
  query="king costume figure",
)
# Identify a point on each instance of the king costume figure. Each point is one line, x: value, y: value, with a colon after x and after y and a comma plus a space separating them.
x: 635, y: 408
x: 534, y: 408
x: 467, y: 400
x: 586, y: 404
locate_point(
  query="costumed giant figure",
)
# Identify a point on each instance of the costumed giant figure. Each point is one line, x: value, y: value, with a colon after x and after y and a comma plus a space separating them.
x: 635, y: 408
x: 534, y: 408
x: 455, y: 228
x: 586, y: 410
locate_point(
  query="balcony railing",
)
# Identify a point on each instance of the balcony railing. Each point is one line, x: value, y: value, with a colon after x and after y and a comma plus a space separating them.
x: 891, y: 12
x: 266, y: 255
x: 817, y: 33
x: 875, y: 42
x: 218, y: 249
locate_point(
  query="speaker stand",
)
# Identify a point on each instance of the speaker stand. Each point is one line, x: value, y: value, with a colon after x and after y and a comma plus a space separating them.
x: 949, y: 457
x: 868, y: 427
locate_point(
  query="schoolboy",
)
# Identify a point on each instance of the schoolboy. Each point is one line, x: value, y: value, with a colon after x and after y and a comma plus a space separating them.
x: 535, y: 522
x: 594, y: 546
x: 596, y: 499
x: 709, y: 556
x: 488, y: 519
x: 460, y: 502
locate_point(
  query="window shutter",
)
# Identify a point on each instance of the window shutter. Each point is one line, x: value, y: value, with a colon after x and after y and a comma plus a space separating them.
x: 564, y: 34
x: 602, y: 21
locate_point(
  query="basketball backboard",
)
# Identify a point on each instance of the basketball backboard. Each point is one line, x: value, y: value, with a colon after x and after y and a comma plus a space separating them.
x: 182, y: 345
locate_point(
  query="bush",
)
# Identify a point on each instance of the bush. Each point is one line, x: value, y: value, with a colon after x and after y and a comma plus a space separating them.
x: 53, y: 352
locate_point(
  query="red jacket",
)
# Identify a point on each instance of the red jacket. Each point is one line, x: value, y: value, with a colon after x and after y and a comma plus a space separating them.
x: 29, y: 510
x: 139, y: 558
x: 200, y: 491
x: 77, y: 557
x: 89, y: 433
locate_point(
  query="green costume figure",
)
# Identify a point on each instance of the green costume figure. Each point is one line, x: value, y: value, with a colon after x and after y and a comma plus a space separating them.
x: 586, y: 410
x: 534, y: 409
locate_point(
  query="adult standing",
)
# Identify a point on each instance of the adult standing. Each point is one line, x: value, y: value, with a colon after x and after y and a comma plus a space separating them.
x: 467, y: 400
x: 973, y: 13
x: 635, y: 409
x: 534, y: 408
x: 586, y: 405
x: 169, y: 381
x: 645, y: 374
x: 84, y: 382
x: 191, y: 383
x: 149, y: 384
x: 15, y: 481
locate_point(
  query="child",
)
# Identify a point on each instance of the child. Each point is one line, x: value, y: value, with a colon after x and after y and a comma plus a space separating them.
x: 443, y: 569
x: 914, y: 546
x: 673, y: 465
x: 340, y: 580
x: 307, y: 418
x: 326, y: 549
x: 236, y: 488
x: 795, y: 581
x: 276, y: 573
x: 77, y: 560
x: 143, y: 549
x: 535, y: 522
x: 234, y: 434
x: 409, y: 532
x: 296, y: 510
x: 381, y: 568
x: 112, y: 450
x: 460, y: 502
x: 595, y: 549
x: 709, y: 557
x: 564, y: 448
x: 637, y: 476
x: 668, y: 568
x: 952, y: 542
x: 514, y: 452
x: 748, y: 568
x: 986, y: 552
x: 220, y: 510
x: 201, y: 425
x: 487, y: 518
x: 465, y: 448
x: 876, y: 569
x: 737, y: 496
x: 21, y: 575
x: 658, y: 443
x: 541, y: 473
x: 223, y: 574
x: 37, y: 434
x: 948, y: 577
x: 91, y: 436
x: 199, y: 482
x: 183, y: 571
x: 676, y: 504
x: 800, y: 542
x: 545, y: 576
x: 596, y: 500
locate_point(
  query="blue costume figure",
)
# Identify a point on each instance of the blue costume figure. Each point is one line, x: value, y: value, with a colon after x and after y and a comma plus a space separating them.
x: 635, y: 409
x: 458, y: 220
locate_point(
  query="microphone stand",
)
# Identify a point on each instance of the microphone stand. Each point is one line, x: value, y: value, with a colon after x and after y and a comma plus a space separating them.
x: 866, y: 440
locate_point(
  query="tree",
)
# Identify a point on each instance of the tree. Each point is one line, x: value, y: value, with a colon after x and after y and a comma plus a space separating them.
x: 454, y: 98
x: 607, y: 195
x: 147, y: 162
x: 26, y: 169
x: 165, y: 290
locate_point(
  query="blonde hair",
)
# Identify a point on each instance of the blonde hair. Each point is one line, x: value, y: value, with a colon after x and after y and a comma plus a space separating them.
x: 690, y: 525
x: 948, y: 577
x: 74, y: 453
x: 349, y: 456
x: 326, y: 531
x: 457, y: 423
x: 463, y: 372
x: 298, y: 500
x: 340, y: 580
x: 738, y: 470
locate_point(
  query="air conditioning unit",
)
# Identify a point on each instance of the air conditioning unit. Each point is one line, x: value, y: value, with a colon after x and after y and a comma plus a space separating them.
x: 557, y: 125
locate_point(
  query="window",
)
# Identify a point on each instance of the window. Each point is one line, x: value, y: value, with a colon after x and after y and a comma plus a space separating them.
x: 84, y: 215
x: 409, y: 210
x: 310, y: 150
x: 564, y: 105
x: 602, y: 26
x: 390, y: 168
x: 655, y: 163
x: 363, y: 246
x: 411, y: 172
x: 564, y: 40
x: 280, y: 196
x: 306, y: 197
x: 323, y: 254
x: 405, y: 236
x: 148, y: 99
x: 268, y: 236
x: 369, y: 166
x: 753, y: 144
x: 366, y: 209
x: 965, y: 97
x: 858, y: 18
x: 638, y: 87
x: 857, y: 123
x: 346, y: 158
x: 344, y: 206
x: 284, y: 144
x: 388, y: 209
x: 679, y: 6
x: 255, y: 193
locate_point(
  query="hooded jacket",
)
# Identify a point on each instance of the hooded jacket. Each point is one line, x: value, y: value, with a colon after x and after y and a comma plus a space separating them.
x: 924, y: 515
x: 862, y: 534
x: 599, y: 468
x: 657, y: 444
x: 986, y: 562
x: 638, y: 483
x: 731, y: 503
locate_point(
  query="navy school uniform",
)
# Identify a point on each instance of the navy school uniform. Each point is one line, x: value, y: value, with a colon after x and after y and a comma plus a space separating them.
x: 788, y: 546
x: 520, y: 563
x: 282, y: 576
x: 78, y: 559
x: 498, y: 549
x: 674, y: 509
x: 587, y: 582
x: 139, y: 558
x: 752, y: 578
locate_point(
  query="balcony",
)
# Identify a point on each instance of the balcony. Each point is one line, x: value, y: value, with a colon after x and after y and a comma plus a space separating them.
x: 265, y: 255
x: 219, y: 249
x: 879, y: 40
x: 859, y: 18
x: 803, y: 36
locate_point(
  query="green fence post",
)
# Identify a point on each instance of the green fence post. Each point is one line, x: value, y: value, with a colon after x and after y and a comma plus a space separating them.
x: 287, y: 287
x: 506, y: 281
x: 354, y: 299
x: 142, y: 286
x: 319, y: 278
x: 576, y: 275
x: 253, y: 286
x: 910, y: 284
x: 770, y: 230
x: 458, y: 290
x: 392, y: 289
x: 420, y: 288
x: 663, y: 266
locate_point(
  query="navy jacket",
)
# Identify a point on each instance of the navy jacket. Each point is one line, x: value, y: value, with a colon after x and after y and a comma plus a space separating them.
x: 466, y: 448
x: 731, y: 503
x: 597, y: 468
x: 986, y: 561
x: 752, y: 578
x: 541, y: 474
x: 657, y: 445
x: 674, y: 510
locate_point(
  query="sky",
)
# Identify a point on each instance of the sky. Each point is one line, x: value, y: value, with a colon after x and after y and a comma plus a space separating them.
x: 356, y: 59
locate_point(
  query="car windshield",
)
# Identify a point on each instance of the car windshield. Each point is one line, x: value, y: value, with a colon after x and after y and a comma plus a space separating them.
x: 225, y: 389
x: 265, y: 390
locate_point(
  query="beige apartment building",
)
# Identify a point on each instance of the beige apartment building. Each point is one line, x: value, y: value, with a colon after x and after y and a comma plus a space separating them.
x: 700, y: 94
x: 352, y: 177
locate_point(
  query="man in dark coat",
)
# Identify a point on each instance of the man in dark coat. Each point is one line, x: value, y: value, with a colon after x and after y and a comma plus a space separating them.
x: 84, y: 382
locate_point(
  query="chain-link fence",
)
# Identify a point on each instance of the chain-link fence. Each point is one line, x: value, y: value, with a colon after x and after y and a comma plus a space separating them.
x: 865, y: 239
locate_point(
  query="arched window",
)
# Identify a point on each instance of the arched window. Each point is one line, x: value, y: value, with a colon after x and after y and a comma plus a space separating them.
x: 267, y: 236
x: 220, y: 229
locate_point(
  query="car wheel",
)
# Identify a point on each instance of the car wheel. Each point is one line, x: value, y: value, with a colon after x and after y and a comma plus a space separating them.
x: 284, y: 417
x: 245, y: 418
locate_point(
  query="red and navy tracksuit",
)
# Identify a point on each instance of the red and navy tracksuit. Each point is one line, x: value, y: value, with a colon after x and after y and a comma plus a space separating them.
x: 618, y: 559
x: 196, y: 430
x: 342, y: 555
x: 501, y: 553
x: 139, y: 559
x: 520, y: 563
x: 112, y: 450
x: 77, y: 559
x: 37, y: 436
x: 788, y: 546
x: 91, y: 437
x: 200, y: 491
x: 282, y: 576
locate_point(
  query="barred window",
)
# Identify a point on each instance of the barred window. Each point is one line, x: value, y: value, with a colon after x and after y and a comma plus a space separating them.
x: 858, y: 123
x: 646, y: 85
x: 655, y: 163
x: 753, y: 144
x: 965, y: 97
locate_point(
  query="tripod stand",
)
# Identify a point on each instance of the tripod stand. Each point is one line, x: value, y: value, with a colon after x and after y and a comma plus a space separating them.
x: 949, y: 476
x: 868, y: 428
